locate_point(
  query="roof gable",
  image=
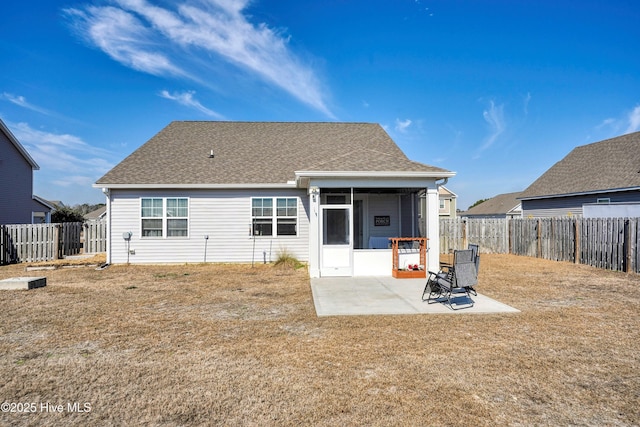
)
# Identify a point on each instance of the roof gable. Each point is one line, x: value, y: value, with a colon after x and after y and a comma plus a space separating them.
x: 4, y: 129
x: 498, y: 205
x: 258, y: 153
x: 601, y: 166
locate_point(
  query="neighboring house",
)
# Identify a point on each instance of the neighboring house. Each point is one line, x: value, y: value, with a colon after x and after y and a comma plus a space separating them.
x: 501, y: 206
x: 18, y: 205
x: 327, y: 193
x: 448, y: 204
x: 96, y: 215
x: 605, y: 173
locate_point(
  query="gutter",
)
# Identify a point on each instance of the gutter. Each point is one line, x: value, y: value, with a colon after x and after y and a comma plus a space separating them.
x: 582, y: 193
x: 290, y: 184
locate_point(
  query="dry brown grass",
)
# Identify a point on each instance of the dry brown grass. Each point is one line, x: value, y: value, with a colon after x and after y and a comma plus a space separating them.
x: 232, y: 345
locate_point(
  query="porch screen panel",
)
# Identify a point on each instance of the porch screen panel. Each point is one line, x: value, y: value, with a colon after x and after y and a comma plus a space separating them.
x: 336, y: 227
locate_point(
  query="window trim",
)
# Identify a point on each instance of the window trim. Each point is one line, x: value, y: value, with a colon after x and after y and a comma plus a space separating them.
x: 165, y: 217
x: 286, y: 216
x: 274, y: 217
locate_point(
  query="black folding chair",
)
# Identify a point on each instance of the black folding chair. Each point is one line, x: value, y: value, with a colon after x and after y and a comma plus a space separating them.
x: 458, y: 283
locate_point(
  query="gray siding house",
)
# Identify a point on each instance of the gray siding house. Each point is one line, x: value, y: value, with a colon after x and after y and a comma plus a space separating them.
x: 601, y: 173
x: 331, y: 194
x: 18, y: 205
x: 504, y: 205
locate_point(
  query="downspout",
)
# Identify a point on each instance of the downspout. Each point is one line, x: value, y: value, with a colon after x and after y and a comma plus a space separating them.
x: 107, y: 193
x: 444, y: 183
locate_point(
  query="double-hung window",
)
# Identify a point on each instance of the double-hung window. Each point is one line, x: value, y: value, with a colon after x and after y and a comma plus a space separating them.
x: 164, y: 217
x: 151, y: 213
x: 285, y: 216
x: 177, y: 217
x: 262, y: 216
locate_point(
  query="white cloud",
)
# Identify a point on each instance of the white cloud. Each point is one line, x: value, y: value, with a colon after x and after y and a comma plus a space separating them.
x: 187, y: 99
x: 606, y: 123
x: 527, y: 99
x: 21, y: 101
x: 79, y: 180
x: 628, y: 123
x: 124, y: 38
x: 402, y: 125
x: 494, y: 116
x: 153, y: 39
x: 634, y: 120
x: 61, y: 152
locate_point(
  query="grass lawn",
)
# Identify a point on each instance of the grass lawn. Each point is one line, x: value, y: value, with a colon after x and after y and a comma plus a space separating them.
x: 235, y: 345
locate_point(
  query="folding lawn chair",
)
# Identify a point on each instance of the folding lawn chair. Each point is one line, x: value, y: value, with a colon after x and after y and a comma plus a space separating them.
x: 452, y: 284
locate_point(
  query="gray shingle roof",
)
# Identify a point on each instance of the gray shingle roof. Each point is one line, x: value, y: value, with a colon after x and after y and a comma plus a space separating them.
x: 605, y: 165
x: 259, y: 153
x: 498, y: 205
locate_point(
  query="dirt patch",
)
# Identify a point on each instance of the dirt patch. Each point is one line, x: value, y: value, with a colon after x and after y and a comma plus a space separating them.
x: 234, y: 345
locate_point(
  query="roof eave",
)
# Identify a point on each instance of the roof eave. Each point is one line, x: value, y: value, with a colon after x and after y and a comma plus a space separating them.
x: 43, y: 202
x: 199, y: 186
x: 374, y: 174
x: 580, y: 193
x: 303, y: 177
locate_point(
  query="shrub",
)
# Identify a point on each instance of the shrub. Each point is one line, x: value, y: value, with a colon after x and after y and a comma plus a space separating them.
x: 285, y: 259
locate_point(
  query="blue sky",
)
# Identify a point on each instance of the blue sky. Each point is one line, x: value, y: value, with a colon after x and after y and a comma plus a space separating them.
x: 497, y: 91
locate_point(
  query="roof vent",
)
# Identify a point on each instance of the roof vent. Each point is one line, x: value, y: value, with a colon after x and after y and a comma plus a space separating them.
x: 211, y: 156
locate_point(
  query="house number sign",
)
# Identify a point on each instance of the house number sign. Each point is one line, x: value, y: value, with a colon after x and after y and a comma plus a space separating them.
x: 382, y: 221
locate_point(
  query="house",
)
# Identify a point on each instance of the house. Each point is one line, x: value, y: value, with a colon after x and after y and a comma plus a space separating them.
x: 18, y: 204
x: 96, y: 215
x: 602, y: 173
x: 448, y: 199
x: 331, y: 194
x: 504, y: 205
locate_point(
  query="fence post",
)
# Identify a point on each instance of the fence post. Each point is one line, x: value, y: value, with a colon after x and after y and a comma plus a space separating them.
x: 539, y: 239
x: 576, y: 248
x: 56, y: 241
x: 627, y: 246
x: 464, y: 235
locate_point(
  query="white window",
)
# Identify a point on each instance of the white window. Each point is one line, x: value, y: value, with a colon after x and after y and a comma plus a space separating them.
x: 151, y: 213
x: 164, y: 217
x: 262, y: 216
x: 177, y: 217
x: 285, y: 216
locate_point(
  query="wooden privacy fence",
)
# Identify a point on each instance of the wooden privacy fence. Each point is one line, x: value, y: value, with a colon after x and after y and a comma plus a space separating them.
x: 491, y: 234
x: 95, y: 237
x: 609, y: 243
x: 38, y: 242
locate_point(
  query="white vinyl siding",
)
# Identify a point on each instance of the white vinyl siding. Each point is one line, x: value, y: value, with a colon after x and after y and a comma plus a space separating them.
x: 222, y: 215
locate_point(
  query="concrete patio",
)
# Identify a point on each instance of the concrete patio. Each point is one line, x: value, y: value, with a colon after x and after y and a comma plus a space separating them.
x: 346, y: 296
